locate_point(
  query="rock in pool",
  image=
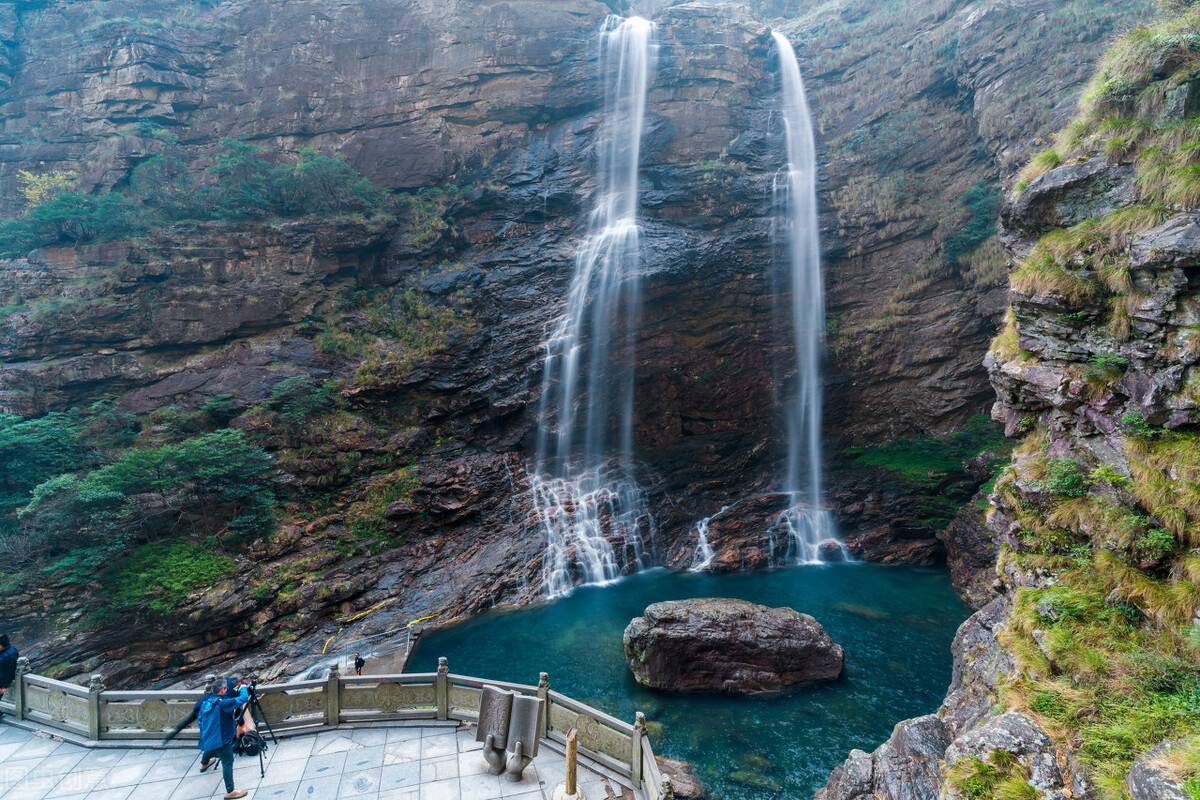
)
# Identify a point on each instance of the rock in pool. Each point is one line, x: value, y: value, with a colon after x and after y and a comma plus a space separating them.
x: 730, y: 646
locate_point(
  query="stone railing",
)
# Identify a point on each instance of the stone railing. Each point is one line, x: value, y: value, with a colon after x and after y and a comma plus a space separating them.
x: 94, y: 713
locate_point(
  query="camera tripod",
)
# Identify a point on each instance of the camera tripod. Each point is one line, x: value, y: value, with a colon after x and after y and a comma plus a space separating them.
x: 256, y: 713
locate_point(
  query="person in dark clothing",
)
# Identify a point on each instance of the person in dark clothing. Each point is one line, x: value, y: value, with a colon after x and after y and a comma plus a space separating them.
x: 359, y: 663
x: 8, y: 664
x: 216, y: 712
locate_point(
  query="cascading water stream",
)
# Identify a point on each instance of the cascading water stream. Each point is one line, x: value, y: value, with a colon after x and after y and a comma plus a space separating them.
x: 590, y: 505
x: 705, y: 553
x: 806, y: 522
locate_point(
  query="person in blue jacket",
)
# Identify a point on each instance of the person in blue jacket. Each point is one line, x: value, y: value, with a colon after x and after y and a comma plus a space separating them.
x: 216, y: 712
x: 8, y: 664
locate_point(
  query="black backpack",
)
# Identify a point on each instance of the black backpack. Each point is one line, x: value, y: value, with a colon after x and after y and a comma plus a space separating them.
x: 250, y: 743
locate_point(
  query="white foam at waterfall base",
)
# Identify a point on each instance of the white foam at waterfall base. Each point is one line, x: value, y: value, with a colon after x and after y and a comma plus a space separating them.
x: 805, y: 522
x: 594, y: 528
x: 592, y: 511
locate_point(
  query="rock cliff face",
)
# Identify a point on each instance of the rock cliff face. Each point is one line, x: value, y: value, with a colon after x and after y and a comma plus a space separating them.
x: 1095, y: 520
x: 490, y: 109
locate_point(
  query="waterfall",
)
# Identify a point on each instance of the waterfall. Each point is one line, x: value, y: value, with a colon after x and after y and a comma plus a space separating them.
x: 805, y: 522
x: 703, y: 557
x: 591, y: 508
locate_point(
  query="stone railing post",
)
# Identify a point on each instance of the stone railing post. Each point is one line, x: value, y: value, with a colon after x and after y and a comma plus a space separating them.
x: 441, y: 688
x: 333, y: 696
x: 543, y: 693
x: 95, y: 687
x: 17, y: 691
x: 667, y: 790
x: 635, y: 755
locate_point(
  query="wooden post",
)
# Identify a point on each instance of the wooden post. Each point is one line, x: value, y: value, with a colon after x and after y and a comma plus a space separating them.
x: 333, y: 696
x: 95, y: 687
x: 442, y: 688
x: 572, y: 767
x: 18, y: 688
x: 635, y: 755
x: 543, y: 693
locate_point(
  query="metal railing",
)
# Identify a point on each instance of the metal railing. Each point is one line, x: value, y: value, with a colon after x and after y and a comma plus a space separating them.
x: 95, y: 713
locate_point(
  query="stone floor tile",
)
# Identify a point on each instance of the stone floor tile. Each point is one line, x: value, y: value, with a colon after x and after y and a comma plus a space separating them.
x: 100, y: 758
x: 439, y: 769
x: 441, y: 790
x: 32, y: 788
x: 400, y: 776
x: 364, y: 758
x: 326, y: 764
x: 333, y: 742
x: 438, y: 746
x: 139, y: 756
x: 8, y: 748
x: 57, y: 764
x: 323, y: 788
x: 197, y: 786
x: 370, y: 737
x: 480, y: 787
x: 530, y: 782
x: 8, y: 734
x: 283, y: 772
x: 471, y: 764
x: 278, y: 791
x: 120, y: 793
x: 13, y: 771
x: 159, y: 790
x: 359, y: 783
x: 78, y: 782
x: 402, y: 752
x: 35, y: 747
x: 403, y: 734
x: 410, y: 793
x: 296, y: 747
x: 124, y: 775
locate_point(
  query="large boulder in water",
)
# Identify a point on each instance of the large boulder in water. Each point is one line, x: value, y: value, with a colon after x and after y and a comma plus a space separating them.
x: 732, y: 646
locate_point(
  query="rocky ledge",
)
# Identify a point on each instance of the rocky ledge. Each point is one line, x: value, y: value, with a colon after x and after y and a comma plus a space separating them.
x: 731, y: 646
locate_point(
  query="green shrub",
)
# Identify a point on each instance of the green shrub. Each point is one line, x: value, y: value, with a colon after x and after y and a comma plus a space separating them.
x: 208, y: 482
x: 1065, y: 478
x: 983, y: 202
x: 1136, y: 425
x: 1156, y: 543
x: 33, y: 450
x: 244, y: 183
x: 299, y: 397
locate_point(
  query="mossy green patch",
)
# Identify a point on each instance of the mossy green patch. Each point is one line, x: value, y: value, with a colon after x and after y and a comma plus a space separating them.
x: 162, y: 577
x: 925, y: 461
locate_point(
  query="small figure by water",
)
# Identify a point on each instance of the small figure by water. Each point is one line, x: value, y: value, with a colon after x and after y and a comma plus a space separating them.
x: 359, y: 663
x: 217, y: 713
x: 8, y: 664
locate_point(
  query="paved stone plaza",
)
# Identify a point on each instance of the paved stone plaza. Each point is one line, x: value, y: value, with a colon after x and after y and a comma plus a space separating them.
x: 384, y: 763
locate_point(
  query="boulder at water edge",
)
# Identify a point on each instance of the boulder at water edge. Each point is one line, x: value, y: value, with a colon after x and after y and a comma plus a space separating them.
x: 733, y: 646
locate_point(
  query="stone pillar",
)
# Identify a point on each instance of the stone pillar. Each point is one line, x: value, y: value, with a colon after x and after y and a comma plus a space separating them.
x: 17, y: 692
x: 333, y: 696
x: 441, y: 688
x: 667, y: 790
x: 543, y: 693
x: 95, y: 687
x: 635, y: 755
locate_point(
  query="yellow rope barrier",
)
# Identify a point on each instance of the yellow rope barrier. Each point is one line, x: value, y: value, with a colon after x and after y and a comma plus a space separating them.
x: 372, y: 610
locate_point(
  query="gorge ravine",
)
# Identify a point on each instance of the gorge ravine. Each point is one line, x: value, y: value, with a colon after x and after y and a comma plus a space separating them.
x: 399, y: 489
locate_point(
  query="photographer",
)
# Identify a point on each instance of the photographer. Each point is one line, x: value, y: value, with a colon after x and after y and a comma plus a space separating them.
x: 218, y: 726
